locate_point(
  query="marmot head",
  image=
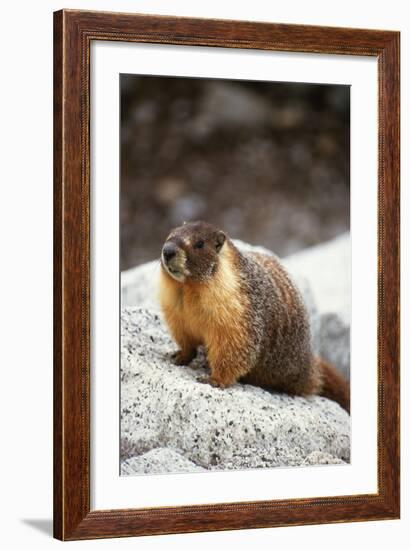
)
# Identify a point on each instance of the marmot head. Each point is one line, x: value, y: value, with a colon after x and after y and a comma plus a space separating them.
x: 192, y: 251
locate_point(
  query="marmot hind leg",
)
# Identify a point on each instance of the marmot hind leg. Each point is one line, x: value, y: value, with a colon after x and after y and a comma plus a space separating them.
x: 325, y: 380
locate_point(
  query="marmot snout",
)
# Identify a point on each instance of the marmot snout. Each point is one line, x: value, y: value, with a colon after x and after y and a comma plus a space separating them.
x: 246, y: 312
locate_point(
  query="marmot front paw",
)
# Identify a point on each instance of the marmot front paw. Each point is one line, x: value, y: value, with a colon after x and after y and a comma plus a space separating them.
x: 182, y: 358
x: 206, y: 379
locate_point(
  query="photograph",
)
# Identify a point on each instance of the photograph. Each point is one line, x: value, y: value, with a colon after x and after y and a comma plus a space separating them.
x: 235, y: 260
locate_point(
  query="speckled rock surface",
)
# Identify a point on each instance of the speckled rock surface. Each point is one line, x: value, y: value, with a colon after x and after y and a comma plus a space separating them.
x: 171, y: 422
x: 318, y: 458
x: 158, y: 461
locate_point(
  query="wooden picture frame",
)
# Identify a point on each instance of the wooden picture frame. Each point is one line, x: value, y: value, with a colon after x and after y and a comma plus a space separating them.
x: 73, y: 33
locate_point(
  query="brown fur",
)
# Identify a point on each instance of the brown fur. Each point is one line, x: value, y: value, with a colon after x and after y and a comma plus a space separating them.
x: 246, y: 312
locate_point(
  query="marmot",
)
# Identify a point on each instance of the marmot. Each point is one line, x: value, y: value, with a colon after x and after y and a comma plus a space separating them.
x: 246, y: 312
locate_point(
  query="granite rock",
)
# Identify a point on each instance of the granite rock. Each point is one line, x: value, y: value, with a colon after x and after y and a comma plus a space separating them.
x: 158, y: 461
x: 165, y: 406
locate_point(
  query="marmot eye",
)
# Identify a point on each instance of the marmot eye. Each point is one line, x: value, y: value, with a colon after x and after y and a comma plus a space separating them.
x: 199, y: 244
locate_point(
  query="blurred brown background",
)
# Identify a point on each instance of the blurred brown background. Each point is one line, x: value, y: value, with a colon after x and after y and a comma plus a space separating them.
x: 267, y: 162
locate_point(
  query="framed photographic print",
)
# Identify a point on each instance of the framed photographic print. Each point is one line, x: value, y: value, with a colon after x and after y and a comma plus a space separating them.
x: 226, y: 275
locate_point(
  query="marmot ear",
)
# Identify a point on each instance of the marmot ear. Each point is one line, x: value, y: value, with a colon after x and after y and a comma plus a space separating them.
x: 220, y: 239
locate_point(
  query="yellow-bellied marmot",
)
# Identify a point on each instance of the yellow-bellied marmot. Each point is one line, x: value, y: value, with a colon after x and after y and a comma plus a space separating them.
x: 246, y: 312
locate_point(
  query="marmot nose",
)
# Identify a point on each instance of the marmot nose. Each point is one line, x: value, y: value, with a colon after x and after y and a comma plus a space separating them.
x: 169, y: 250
